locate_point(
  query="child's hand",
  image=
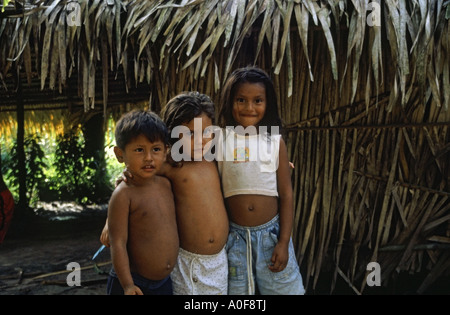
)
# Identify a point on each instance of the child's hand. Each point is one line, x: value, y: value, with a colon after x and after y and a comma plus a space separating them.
x: 125, y: 176
x: 133, y: 290
x: 104, y: 237
x: 280, y: 257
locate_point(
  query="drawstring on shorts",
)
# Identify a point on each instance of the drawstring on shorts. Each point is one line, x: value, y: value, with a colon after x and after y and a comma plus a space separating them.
x: 251, y: 283
x: 191, y: 274
x: 248, y: 230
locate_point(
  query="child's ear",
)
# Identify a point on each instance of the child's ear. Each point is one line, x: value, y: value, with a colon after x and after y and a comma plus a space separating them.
x: 119, y: 154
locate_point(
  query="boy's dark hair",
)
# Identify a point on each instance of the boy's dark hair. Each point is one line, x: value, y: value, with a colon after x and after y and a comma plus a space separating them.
x: 185, y: 107
x: 250, y: 74
x: 137, y: 122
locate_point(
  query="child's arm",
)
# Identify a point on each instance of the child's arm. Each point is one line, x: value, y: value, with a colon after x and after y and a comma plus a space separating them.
x: 104, y: 237
x: 118, y: 212
x: 280, y: 254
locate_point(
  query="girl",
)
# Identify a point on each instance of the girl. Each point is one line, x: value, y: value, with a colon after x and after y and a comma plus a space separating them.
x: 257, y: 188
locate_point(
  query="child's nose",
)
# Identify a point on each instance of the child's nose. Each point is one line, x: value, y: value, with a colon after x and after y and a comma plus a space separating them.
x: 198, y: 139
x: 249, y: 105
x: 148, y: 156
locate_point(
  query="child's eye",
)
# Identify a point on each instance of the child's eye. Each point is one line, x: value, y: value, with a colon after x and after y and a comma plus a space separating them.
x: 139, y: 150
x: 259, y: 100
x: 189, y: 133
x: 157, y: 149
x: 240, y: 100
x: 207, y: 133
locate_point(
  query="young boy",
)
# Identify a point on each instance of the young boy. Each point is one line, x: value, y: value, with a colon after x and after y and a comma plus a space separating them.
x: 141, y: 215
x: 202, y: 265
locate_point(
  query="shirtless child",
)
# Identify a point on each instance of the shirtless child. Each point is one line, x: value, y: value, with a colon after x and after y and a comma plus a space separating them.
x: 141, y: 211
x: 202, y: 266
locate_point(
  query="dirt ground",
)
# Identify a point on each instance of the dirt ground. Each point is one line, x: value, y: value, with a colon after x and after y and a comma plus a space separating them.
x: 34, y: 259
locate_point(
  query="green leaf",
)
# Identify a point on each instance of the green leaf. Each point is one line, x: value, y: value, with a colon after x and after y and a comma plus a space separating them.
x: 5, y: 3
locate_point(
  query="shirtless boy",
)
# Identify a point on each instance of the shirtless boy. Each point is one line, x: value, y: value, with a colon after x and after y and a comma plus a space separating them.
x: 202, y: 266
x: 140, y: 212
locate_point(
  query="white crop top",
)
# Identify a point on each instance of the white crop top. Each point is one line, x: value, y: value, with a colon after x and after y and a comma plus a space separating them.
x: 248, y: 164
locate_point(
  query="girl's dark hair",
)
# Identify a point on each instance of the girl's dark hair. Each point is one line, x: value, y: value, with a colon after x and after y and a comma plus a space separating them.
x: 137, y: 122
x: 249, y: 74
x: 185, y: 107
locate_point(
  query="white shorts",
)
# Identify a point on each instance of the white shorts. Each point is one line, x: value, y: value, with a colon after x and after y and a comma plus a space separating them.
x: 196, y: 274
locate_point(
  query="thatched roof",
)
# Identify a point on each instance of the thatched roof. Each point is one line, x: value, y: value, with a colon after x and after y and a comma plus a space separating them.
x: 365, y: 103
x: 150, y: 40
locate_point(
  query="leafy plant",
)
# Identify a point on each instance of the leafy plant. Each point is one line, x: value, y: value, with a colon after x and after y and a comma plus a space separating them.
x: 5, y: 3
x: 34, y: 165
x: 77, y: 177
x: 70, y: 166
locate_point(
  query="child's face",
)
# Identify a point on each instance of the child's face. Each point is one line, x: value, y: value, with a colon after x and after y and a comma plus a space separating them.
x: 197, y: 138
x: 142, y: 157
x: 249, y: 104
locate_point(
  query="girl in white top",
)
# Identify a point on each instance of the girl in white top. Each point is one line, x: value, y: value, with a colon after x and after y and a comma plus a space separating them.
x: 256, y: 183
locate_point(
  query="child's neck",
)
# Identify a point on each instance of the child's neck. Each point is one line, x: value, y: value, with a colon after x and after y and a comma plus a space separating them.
x: 246, y: 131
x: 141, y: 182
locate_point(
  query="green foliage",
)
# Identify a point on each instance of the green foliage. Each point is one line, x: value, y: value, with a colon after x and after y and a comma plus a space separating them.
x: 62, y: 172
x: 70, y: 166
x: 77, y: 177
x: 5, y: 3
x: 34, y: 166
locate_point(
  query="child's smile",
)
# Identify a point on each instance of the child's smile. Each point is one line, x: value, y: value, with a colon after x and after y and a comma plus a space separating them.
x: 249, y: 104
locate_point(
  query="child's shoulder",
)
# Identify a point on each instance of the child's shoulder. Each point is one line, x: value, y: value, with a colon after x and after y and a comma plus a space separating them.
x: 121, y: 192
x: 167, y: 167
x: 163, y: 181
x: 121, y: 188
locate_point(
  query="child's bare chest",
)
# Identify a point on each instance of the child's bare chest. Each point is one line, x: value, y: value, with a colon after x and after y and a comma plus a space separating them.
x: 148, y: 201
x: 195, y: 173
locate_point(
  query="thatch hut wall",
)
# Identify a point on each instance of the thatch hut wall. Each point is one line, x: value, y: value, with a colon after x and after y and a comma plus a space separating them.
x: 368, y: 186
x: 365, y: 105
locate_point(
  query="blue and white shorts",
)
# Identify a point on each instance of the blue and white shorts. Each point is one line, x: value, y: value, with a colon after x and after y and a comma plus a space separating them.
x: 249, y: 252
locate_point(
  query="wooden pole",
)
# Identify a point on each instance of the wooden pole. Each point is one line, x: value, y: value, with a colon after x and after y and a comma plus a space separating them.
x: 23, y: 202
